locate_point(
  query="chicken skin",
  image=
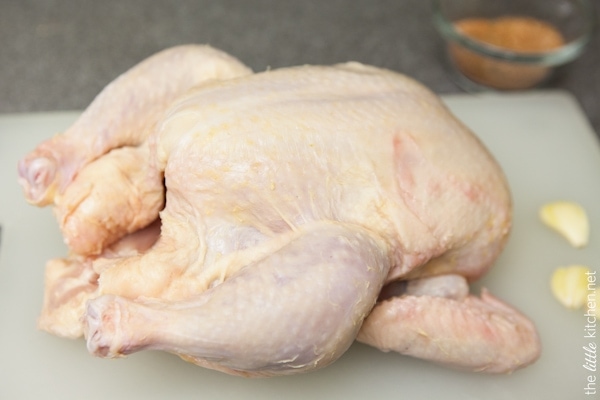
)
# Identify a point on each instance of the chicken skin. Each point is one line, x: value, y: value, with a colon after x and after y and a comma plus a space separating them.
x: 259, y: 223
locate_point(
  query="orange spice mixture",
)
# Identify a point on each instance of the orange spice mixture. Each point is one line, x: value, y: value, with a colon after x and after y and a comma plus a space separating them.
x: 519, y: 34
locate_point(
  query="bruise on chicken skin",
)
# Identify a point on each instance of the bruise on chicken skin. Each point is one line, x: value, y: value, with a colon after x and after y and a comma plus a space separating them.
x: 295, y: 210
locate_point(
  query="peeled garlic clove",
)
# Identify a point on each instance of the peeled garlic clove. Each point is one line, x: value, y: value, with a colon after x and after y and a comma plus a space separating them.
x: 569, y: 219
x: 570, y: 285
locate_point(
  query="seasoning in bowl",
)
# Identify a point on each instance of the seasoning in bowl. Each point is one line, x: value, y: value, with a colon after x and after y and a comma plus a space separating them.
x: 517, y: 34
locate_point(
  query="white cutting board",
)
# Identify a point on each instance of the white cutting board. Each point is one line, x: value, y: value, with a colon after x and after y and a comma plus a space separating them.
x: 548, y: 151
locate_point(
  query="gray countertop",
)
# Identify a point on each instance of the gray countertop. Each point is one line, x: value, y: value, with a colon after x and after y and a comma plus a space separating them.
x: 58, y: 54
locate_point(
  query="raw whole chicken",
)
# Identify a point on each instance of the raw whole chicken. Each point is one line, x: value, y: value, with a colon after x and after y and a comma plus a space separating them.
x: 259, y: 223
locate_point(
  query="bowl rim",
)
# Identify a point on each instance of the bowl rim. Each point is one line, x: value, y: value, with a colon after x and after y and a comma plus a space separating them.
x: 568, y: 52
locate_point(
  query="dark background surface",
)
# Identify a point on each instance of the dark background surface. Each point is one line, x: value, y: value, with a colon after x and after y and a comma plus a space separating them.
x: 58, y: 54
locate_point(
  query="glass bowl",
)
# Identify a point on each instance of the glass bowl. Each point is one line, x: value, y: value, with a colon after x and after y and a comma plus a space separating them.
x: 511, y: 44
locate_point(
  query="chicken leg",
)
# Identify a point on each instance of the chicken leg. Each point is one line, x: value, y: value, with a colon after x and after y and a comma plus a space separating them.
x: 289, y: 312
x: 123, y: 114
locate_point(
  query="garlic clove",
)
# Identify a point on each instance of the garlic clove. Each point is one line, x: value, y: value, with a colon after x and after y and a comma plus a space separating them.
x: 570, y: 285
x: 569, y: 219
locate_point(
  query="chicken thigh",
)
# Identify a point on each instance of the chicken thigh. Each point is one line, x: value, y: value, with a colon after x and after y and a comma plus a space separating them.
x: 258, y: 224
